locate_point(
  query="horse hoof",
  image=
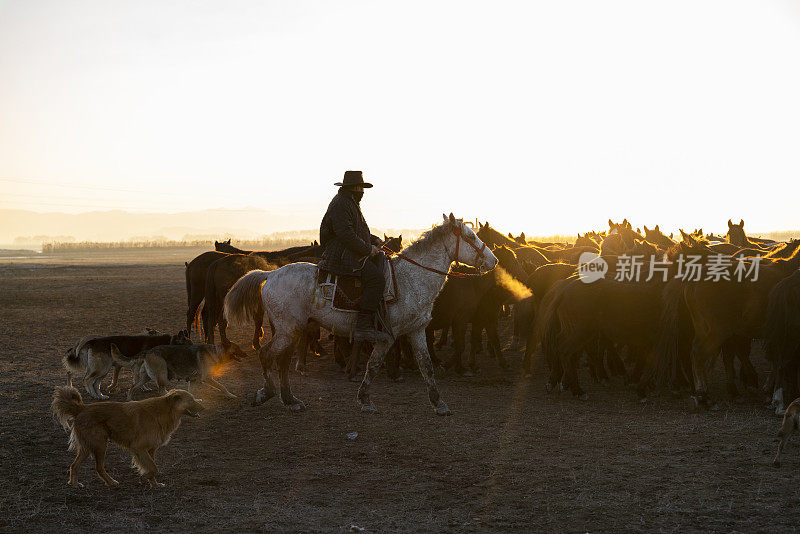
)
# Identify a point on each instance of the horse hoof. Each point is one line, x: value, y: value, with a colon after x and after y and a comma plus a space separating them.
x: 643, y: 400
x: 261, y: 397
x: 584, y: 397
x: 298, y: 406
x: 548, y: 387
x: 780, y: 411
x: 442, y: 409
x: 354, y: 378
x: 399, y: 378
x: 714, y: 407
x: 369, y: 408
x: 468, y: 374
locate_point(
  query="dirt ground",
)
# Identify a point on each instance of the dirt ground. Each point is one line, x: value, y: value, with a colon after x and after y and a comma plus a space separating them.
x: 511, y: 458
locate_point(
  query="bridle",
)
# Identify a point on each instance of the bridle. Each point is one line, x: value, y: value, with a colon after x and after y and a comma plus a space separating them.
x: 459, y: 233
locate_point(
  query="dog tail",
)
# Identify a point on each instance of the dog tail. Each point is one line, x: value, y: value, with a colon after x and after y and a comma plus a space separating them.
x: 121, y: 358
x: 243, y: 301
x: 72, y: 363
x: 67, y: 404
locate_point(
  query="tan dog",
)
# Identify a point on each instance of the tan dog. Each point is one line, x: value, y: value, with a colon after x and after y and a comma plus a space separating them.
x: 140, y: 426
x: 791, y: 422
x: 193, y: 363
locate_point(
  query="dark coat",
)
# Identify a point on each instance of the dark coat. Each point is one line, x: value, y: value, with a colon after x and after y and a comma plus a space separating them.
x: 344, y: 236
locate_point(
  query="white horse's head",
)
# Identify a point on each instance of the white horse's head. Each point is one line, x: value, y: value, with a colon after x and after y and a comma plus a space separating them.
x: 464, y: 246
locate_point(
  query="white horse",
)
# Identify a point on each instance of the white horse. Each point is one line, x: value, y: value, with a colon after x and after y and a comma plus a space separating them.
x: 290, y: 299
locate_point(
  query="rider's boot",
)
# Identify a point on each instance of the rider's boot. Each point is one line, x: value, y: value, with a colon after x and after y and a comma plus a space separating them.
x: 365, y: 329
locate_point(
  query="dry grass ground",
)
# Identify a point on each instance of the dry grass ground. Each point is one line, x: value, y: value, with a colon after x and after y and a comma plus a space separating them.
x: 512, y: 457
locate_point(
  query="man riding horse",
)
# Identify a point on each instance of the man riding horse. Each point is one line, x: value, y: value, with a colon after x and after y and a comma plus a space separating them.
x: 350, y: 249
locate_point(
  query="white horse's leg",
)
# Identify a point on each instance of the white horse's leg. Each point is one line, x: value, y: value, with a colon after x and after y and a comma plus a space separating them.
x: 379, y: 351
x: 266, y: 356
x: 288, y: 400
x: 420, y: 346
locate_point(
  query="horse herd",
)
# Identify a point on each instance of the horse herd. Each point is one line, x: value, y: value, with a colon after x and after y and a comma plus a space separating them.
x: 656, y: 332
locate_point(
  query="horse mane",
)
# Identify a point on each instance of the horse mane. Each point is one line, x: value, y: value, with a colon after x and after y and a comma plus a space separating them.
x: 786, y: 250
x: 427, y: 239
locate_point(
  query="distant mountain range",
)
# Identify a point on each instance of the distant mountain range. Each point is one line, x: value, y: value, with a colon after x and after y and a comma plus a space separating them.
x: 116, y: 225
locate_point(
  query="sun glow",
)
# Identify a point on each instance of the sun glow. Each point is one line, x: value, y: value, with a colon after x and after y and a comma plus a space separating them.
x: 547, y: 117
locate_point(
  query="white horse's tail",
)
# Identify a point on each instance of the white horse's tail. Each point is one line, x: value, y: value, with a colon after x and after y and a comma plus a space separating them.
x: 243, y: 302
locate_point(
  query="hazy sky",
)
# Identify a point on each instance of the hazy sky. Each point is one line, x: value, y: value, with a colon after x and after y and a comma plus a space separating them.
x: 538, y: 116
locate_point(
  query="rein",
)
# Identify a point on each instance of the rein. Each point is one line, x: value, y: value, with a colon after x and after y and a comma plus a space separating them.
x: 459, y: 235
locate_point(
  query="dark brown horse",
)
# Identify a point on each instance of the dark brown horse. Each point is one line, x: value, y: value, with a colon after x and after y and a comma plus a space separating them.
x: 727, y: 314
x: 225, y: 246
x: 195, y: 274
x: 657, y: 238
x: 221, y: 276
x: 782, y: 339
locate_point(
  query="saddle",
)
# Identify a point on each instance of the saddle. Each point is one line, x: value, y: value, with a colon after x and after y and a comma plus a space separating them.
x: 344, y: 291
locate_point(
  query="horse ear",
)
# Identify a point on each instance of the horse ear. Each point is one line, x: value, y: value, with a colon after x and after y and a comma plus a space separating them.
x: 384, y: 236
x: 730, y: 224
x: 741, y: 223
x: 400, y: 237
x: 511, y: 236
x: 646, y: 230
x: 444, y: 217
x: 522, y: 235
x: 670, y: 234
x: 452, y: 219
x: 657, y: 230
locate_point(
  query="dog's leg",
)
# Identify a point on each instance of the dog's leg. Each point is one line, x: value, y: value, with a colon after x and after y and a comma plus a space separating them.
x: 141, y: 379
x: 96, y: 387
x: 193, y: 387
x: 87, y: 384
x: 216, y: 385
x: 104, y: 363
x: 147, y: 467
x: 114, y: 380
x: 99, y: 465
x: 76, y: 464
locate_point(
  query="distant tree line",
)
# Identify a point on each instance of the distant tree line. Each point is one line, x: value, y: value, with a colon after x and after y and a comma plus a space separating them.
x: 87, y: 246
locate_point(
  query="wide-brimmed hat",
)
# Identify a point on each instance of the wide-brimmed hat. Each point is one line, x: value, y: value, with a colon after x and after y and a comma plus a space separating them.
x: 353, y: 178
